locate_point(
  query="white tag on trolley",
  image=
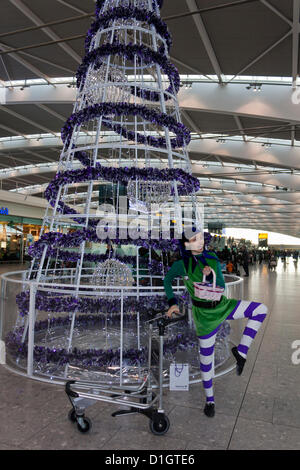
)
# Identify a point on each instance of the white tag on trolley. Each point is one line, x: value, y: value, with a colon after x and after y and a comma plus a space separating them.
x: 179, y: 377
x: 2, y: 352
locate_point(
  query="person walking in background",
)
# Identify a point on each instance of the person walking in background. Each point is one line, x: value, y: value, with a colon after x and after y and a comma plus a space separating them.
x: 272, y: 261
x: 229, y: 267
x: 245, y: 261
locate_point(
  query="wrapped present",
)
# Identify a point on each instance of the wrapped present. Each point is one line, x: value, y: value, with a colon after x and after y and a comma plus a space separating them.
x: 207, y: 291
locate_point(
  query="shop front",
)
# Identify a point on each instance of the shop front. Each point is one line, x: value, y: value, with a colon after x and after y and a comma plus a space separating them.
x: 16, y: 235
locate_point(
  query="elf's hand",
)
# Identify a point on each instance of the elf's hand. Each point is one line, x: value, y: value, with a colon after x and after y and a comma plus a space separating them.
x: 206, y: 270
x: 174, y: 309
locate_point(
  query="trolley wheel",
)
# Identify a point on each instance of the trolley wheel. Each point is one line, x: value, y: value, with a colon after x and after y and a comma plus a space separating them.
x: 160, y: 425
x: 72, y: 415
x: 83, y: 424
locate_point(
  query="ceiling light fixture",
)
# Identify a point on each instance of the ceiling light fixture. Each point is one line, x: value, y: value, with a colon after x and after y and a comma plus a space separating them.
x: 187, y: 85
x: 255, y: 87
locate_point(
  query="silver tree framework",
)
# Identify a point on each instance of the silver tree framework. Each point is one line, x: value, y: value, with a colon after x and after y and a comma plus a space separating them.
x: 127, y: 135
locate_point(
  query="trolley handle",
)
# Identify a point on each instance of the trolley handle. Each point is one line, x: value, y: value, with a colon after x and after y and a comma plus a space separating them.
x: 176, y: 319
x: 167, y: 321
x: 69, y: 391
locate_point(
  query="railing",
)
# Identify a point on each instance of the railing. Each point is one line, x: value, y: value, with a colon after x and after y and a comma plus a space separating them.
x: 59, y: 283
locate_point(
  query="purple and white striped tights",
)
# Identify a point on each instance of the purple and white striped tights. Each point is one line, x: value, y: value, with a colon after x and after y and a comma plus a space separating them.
x: 256, y: 313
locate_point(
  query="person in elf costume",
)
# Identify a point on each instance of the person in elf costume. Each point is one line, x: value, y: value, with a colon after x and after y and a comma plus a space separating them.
x: 209, y: 315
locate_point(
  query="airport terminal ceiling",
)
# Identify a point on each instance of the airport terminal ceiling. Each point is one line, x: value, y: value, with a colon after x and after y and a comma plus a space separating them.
x: 239, y: 66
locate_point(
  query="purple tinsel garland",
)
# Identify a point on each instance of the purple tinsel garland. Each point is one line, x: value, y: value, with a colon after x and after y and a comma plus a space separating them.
x: 183, y: 136
x: 130, y: 51
x: 75, y: 239
x: 125, y: 13
x: 188, y: 183
x: 154, y: 267
x: 51, y: 302
x: 98, y: 358
x: 59, y: 240
x: 90, y: 357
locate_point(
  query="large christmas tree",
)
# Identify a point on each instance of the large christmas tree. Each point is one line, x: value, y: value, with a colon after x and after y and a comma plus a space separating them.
x: 123, y: 170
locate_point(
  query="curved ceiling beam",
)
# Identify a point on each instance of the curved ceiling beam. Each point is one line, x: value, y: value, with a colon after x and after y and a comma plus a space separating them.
x: 276, y: 155
x: 286, y: 180
x: 31, y: 170
x: 262, y: 199
x: 214, y: 198
x: 275, y: 102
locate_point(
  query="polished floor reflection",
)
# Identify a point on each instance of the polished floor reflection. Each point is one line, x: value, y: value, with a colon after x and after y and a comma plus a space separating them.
x: 259, y: 410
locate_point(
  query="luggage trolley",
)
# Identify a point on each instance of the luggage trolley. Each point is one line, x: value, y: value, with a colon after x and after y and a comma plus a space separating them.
x: 139, y: 399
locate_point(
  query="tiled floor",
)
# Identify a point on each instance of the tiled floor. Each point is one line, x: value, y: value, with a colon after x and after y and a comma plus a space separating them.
x: 259, y: 410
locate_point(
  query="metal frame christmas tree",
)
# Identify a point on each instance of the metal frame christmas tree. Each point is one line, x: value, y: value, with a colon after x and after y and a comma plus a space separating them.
x: 124, y: 139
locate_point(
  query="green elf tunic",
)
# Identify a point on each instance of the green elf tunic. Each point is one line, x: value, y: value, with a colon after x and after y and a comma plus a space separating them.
x: 206, y: 319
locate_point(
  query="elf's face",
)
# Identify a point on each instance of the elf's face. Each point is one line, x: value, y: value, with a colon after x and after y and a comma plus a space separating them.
x: 196, y: 243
